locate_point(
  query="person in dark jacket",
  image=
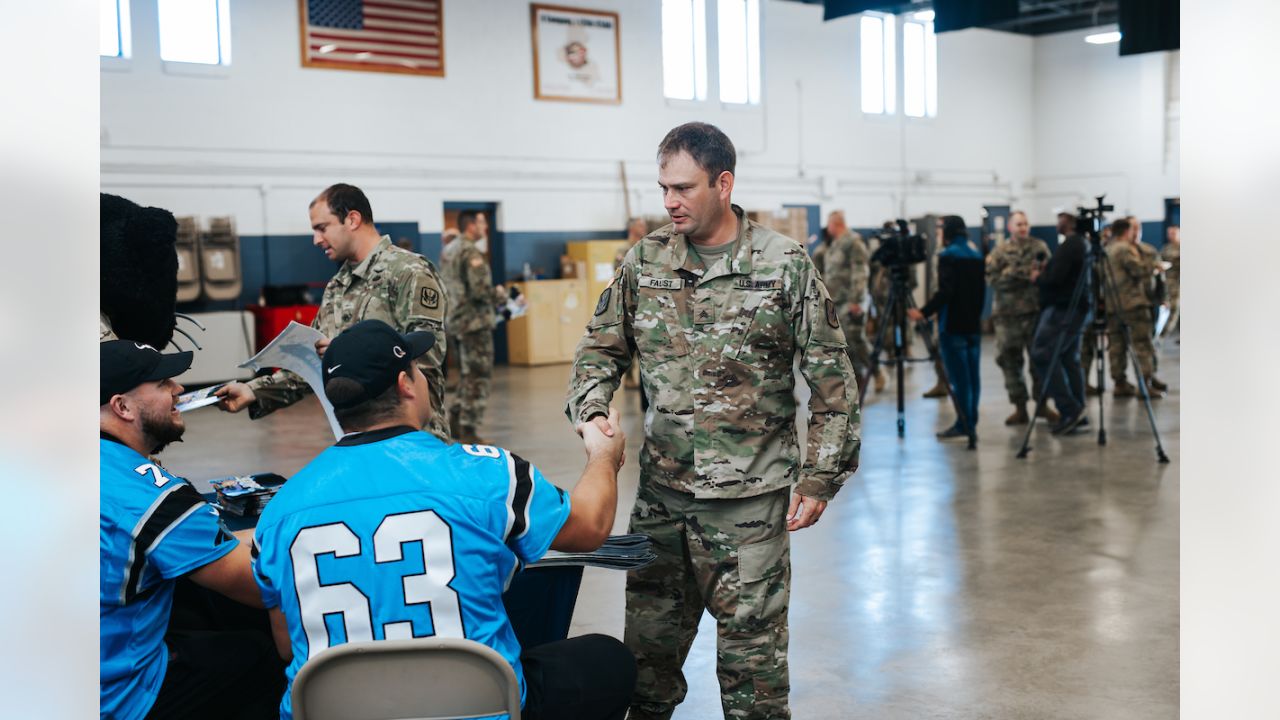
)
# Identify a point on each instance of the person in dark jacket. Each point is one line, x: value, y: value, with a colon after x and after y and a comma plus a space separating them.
x: 1063, y: 315
x: 958, y: 302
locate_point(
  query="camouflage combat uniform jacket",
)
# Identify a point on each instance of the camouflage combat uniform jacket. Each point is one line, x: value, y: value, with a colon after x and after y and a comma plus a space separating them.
x: 1172, y: 254
x: 1133, y: 267
x: 715, y: 347
x: 846, y: 270
x: 1009, y: 275
x: 392, y: 284
x: 466, y: 274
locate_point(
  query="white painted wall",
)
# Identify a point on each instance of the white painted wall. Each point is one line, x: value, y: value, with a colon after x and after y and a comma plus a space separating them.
x: 260, y: 139
x: 1103, y: 124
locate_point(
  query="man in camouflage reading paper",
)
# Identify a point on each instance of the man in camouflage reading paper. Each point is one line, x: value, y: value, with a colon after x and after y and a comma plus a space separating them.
x: 718, y: 307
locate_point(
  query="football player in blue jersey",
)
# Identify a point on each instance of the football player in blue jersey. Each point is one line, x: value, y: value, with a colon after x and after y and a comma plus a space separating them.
x: 391, y: 533
x: 154, y: 529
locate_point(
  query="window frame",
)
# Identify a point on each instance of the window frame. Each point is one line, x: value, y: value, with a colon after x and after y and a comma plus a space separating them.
x: 222, y: 30
x: 699, y: 79
x: 929, y: 69
x: 711, y: 68
x: 753, y: 71
x: 888, y: 62
x: 124, y: 38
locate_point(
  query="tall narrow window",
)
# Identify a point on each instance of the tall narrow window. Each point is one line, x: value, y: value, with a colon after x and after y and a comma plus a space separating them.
x: 919, y: 69
x: 739, y: 41
x: 879, y: 77
x: 684, y: 49
x: 195, y: 31
x: 113, y: 28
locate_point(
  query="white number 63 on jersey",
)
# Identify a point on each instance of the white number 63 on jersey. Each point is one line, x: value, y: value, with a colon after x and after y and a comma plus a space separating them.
x: 430, y: 587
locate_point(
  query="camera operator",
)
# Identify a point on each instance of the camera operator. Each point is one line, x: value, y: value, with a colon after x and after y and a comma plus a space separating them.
x: 1059, y: 328
x: 958, y: 304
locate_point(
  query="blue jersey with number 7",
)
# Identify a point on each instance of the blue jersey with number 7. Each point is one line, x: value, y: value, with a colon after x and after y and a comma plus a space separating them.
x: 393, y: 534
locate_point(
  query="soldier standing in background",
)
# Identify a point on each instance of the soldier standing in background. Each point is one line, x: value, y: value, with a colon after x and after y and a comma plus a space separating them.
x: 1016, y: 309
x: 636, y: 230
x: 717, y: 307
x: 1133, y: 267
x: 377, y: 281
x: 472, y: 319
x: 1171, y: 253
x: 846, y: 270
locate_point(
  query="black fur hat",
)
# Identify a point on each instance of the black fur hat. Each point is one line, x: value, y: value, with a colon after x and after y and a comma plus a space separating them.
x: 139, y: 270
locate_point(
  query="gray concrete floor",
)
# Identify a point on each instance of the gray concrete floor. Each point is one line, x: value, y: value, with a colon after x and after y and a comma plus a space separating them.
x: 941, y: 582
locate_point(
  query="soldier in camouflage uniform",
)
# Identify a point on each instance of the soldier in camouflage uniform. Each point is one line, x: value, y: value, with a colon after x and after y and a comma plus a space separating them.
x: 1016, y: 310
x: 846, y: 269
x: 472, y: 318
x: 377, y: 281
x: 718, y: 307
x: 1133, y: 268
x: 1172, y: 254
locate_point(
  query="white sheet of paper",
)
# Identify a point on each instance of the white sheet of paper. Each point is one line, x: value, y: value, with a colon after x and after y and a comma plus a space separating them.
x: 1162, y: 319
x: 198, y: 399
x: 294, y: 349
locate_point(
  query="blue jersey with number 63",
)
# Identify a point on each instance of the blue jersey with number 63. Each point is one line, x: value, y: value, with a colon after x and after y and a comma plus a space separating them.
x: 393, y: 534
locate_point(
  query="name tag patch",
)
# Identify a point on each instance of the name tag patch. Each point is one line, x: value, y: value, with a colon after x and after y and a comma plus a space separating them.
x: 661, y: 283
x: 753, y: 284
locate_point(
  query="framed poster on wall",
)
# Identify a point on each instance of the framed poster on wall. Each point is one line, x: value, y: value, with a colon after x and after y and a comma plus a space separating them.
x: 576, y: 56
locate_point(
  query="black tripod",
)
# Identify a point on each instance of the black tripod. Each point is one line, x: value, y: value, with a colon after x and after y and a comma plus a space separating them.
x: 1097, y: 275
x: 893, y: 317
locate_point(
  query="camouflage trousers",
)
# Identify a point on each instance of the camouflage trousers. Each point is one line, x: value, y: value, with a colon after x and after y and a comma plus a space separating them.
x: 1013, y: 343
x: 733, y: 558
x: 855, y: 337
x: 475, y: 365
x: 1141, y: 328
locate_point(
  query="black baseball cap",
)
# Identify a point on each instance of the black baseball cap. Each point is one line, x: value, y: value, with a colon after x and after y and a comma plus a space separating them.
x: 373, y: 354
x: 127, y: 364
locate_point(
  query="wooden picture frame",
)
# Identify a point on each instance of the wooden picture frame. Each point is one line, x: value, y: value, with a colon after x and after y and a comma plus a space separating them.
x: 577, y: 54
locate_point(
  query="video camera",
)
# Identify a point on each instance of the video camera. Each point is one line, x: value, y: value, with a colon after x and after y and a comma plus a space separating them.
x: 1089, y: 219
x: 899, y: 248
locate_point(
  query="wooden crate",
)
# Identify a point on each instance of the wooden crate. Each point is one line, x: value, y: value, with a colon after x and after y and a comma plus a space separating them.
x: 549, y: 331
x: 598, y: 257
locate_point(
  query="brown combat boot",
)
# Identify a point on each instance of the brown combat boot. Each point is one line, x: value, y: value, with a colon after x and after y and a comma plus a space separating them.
x: 1155, y: 383
x: 879, y: 379
x: 1019, y: 416
x: 1049, y: 414
x: 937, y: 391
x: 1124, y: 389
x: 1091, y: 391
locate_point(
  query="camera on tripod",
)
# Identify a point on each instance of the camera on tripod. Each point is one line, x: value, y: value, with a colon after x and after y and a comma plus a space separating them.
x: 899, y: 248
x: 1089, y: 220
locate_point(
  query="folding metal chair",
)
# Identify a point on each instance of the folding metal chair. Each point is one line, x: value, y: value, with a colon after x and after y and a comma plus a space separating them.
x: 419, y: 679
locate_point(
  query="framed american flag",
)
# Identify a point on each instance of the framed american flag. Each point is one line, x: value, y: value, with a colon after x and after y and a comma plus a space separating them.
x: 398, y: 36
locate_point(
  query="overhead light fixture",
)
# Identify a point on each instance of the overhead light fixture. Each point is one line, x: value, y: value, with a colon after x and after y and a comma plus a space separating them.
x: 1105, y: 38
x: 923, y: 16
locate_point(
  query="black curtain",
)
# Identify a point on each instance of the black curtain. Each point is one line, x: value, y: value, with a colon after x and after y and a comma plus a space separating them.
x: 1148, y: 26
x: 961, y: 14
x: 832, y: 9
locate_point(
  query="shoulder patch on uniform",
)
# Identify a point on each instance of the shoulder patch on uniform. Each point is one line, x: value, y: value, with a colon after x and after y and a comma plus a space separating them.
x: 832, y: 320
x: 430, y: 298
x: 660, y: 283
x: 603, y: 304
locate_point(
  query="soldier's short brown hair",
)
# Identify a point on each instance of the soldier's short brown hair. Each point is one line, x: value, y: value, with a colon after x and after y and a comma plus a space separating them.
x: 709, y: 147
x: 343, y: 198
x: 1120, y: 228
